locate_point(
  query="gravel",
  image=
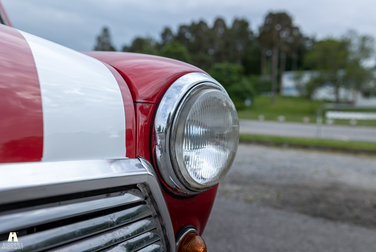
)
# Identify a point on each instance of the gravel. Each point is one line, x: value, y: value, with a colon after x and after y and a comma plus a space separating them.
x: 276, y: 199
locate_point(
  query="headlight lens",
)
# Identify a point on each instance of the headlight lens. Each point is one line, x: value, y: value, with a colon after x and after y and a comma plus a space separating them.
x: 206, y: 133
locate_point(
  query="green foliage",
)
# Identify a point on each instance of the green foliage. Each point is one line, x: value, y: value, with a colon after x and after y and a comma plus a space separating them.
x: 240, y: 91
x: 238, y: 86
x: 205, y: 45
x: 340, y: 63
x: 143, y: 45
x: 328, y: 54
x: 226, y: 73
x: 261, y: 84
x: 251, y: 59
x: 167, y: 36
x: 104, y: 41
x: 176, y: 50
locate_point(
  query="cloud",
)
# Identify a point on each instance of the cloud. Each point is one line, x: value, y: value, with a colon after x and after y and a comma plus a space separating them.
x: 76, y: 24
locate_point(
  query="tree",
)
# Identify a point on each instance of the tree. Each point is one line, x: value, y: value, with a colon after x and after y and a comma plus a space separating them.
x: 219, y: 41
x: 176, y: 50
x: 357, y: 76
x: 277, y: 35
x: 104, y: 41
x: 241, y: 38
x: 199, y: 44
x: 340, y: 62
x: 167, y: 36
x: 142, y: 45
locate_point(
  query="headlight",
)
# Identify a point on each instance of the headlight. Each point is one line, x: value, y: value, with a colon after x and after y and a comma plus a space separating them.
x: 197, y: 134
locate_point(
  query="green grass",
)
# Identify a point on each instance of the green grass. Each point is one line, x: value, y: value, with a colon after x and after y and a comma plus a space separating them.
x: 294, y: 109
x: 310, y: 142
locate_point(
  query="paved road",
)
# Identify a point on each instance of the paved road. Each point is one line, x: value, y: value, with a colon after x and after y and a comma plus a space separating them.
x: 308, y: 130
x: 276, y: 199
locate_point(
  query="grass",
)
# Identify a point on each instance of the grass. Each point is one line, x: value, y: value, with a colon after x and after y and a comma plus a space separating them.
x: 294, y: 109
x: 311, y: 142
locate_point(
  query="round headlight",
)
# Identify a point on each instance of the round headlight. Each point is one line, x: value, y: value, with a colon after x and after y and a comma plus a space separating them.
x: 205, y: 133
x: 197, y: 134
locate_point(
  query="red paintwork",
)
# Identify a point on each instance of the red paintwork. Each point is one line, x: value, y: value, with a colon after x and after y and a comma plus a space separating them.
x: 194, y: 211
x: 130, y: 120
x: 191, y: 211
x: 144, y: 115
x: 5, y: 15
x: 21, y: 118
x: 148, y: 76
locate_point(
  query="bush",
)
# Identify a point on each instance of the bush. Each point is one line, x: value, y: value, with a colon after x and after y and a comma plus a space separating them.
x: 176, y: 50
x: 261, y: 84
x: 238, y: 86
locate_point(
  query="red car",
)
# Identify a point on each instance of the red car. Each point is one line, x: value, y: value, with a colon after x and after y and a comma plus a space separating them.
x: 105, y: 151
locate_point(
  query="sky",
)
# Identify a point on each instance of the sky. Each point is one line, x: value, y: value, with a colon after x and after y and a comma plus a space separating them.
x: 76, y: 23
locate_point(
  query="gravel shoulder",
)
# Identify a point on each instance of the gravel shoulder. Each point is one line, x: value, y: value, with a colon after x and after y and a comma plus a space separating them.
x: 276, y: 199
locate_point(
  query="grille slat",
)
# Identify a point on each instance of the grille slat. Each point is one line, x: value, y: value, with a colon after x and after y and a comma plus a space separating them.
x: 156, y: 247
x: 72, y: 232
x: 136, y: 243
x: 31, y: 218
x: 110, y: 238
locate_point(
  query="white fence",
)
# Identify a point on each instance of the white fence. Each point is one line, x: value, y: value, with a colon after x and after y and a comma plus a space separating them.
x: 350, y: 115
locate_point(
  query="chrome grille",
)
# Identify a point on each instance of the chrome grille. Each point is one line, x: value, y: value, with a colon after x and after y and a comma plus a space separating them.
x: 123, y: 218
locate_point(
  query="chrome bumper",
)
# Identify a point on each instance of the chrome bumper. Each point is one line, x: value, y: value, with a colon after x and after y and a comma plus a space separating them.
x: 93, y: 205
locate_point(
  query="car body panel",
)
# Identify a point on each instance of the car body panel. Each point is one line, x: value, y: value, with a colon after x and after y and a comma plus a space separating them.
x: 147, y: 76
x: 74, y: 108
x: 21, y: 128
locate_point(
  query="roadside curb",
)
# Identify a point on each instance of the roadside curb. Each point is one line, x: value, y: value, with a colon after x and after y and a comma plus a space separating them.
x: 308, y: 147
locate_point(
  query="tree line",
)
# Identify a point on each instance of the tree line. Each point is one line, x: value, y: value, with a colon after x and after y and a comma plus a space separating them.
x: 247, y: 63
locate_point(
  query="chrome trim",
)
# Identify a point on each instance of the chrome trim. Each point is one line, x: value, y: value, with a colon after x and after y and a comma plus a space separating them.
x: 163, y: 122
x: 105, y: 240
x: 136, y: 243
x: 72, y: 232
x: 58, y: 178
x: 161, y: 210
x: 28, y: 181
x: 16, y: 221
x: 180, y: 238
x: 156, y: 247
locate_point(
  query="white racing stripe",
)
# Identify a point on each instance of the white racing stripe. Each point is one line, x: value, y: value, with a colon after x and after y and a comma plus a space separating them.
x: 83, y: 111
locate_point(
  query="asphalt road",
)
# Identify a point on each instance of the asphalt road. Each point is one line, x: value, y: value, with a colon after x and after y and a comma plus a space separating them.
x: 308, y: 130
x: 276, y: 199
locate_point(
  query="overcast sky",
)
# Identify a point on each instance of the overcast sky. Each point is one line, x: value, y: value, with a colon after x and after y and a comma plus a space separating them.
x: 76, y: 23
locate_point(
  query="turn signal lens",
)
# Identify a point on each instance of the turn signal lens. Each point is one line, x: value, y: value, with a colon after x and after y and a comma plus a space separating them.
x: 192, y: 242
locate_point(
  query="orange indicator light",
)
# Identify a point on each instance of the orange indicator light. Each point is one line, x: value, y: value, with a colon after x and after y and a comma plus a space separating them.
x: 192, y: 242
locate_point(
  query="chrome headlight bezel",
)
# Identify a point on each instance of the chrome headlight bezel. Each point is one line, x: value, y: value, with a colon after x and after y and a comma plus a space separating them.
x: 165, y: 126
